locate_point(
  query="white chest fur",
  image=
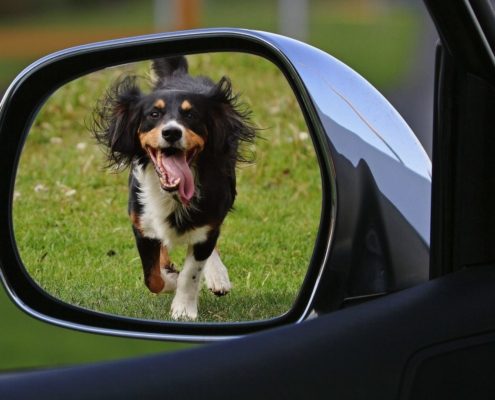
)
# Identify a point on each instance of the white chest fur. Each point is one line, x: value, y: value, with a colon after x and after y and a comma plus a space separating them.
x: 157, y: 207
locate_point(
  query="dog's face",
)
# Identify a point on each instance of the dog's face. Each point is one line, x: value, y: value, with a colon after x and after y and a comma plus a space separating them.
x: 173, y: 132
x: 183, y: 119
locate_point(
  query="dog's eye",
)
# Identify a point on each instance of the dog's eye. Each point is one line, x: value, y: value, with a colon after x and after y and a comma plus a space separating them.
x: 188, y: 114
x: 154, y: 115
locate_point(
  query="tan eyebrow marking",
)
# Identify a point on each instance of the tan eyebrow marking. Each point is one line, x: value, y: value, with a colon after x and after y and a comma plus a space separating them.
x: 186, y: 105
x: 159, y: 104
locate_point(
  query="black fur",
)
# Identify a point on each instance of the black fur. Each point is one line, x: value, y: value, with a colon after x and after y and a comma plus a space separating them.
x: 164, y: 68
x: 203, y: 250
x: 116, y: 121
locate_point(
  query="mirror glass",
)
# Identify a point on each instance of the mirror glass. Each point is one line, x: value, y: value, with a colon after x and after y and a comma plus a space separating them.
x: 83, y: 243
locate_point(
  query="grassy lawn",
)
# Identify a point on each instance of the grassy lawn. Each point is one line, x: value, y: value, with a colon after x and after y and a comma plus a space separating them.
x: 70, y: 214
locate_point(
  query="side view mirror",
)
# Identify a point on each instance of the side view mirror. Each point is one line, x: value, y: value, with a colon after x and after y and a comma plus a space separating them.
x: 334, y: 210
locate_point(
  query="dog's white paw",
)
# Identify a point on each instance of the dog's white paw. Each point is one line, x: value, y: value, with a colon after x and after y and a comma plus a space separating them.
x: 169, y: 275
x: 218, y: 281
x: 216, y: 275
x: 184, y: 310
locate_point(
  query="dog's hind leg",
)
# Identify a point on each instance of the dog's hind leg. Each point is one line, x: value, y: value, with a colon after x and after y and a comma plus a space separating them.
x: 216, y: 275
x: 168, y: 272
x: 159, y: 273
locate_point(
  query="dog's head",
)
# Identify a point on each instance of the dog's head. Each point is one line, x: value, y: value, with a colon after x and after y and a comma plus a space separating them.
x: 183, y: 119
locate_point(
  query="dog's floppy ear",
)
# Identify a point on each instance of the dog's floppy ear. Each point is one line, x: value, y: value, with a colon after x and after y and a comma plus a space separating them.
x: 230, y: 122
x: 116, y: 121
x: 164, y: 68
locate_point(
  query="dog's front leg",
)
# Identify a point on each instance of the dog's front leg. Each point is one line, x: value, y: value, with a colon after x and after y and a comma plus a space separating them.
x: 216, y: 275
x: 185, y: 303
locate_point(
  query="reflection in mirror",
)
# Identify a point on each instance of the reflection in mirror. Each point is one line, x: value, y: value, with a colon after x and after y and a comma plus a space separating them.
x: 71, y: 218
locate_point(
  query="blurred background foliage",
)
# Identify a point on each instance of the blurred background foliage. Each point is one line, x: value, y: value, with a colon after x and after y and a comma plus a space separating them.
x: 378, y: 38
x: 375, y: 37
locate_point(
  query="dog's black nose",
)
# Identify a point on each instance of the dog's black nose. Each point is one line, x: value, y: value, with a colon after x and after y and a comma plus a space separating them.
x: 171, y: 134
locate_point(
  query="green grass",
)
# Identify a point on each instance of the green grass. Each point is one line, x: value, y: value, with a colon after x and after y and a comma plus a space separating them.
x: 71, y: 221
x: 379, y: 45
x: 378, y: 42
x: 27, y: 343
x: 137, y: 13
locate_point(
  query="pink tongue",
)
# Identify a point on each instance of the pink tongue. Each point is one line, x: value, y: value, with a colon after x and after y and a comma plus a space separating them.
x: 177, y: 167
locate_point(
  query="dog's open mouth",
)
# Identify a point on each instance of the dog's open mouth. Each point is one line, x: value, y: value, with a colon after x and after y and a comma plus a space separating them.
x: 173, y: 168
